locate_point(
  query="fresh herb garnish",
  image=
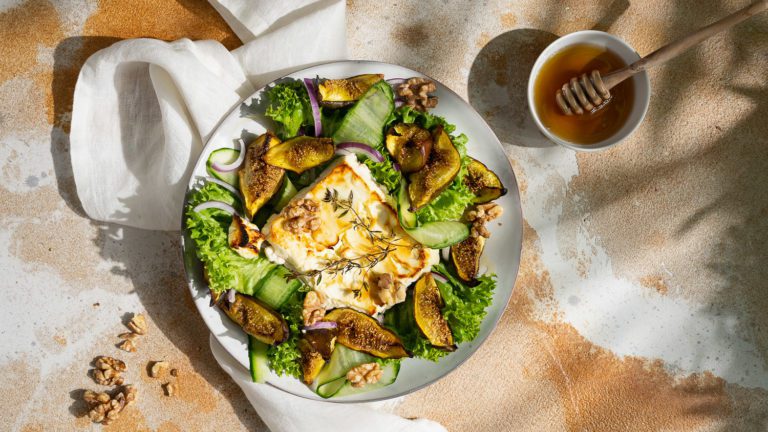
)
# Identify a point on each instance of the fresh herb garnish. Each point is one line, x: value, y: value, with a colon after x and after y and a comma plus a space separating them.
x: 383, y: 243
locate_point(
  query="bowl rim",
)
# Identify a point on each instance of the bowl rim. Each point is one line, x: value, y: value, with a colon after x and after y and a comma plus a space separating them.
x: 471, y: 112
x: 556, y: 46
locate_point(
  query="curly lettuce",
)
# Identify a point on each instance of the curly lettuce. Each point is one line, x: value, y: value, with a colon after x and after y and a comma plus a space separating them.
x: 284, y: 358
x: 289, y: 107
x: 465, y: 308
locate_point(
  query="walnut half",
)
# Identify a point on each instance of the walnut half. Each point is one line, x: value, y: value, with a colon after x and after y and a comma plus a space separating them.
x: 368, y: 373
x: 313, y: 308
x: 103, y: 408
x: 302, y: 216
x: 107, y: 371
x: 416, y: 92
x: 482, y: 214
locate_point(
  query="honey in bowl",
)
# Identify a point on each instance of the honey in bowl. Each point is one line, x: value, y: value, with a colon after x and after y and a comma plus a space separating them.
x: 589, y: 128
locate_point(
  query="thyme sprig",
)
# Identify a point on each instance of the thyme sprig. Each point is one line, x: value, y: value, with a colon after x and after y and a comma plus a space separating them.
x: 382, y: 242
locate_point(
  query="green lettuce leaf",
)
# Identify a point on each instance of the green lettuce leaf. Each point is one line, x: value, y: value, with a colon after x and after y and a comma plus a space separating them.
x: 208, y: 229
x: 465, y: 306
x: 284, y: 358
x: 289, y: 106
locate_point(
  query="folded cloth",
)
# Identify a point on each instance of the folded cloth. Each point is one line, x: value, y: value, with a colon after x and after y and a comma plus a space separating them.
x: 143, y: 109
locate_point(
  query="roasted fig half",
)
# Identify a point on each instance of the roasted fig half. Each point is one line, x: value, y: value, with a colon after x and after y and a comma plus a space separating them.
x: 426, y: 309
x: 311, y: 361
x: 465, y: 256
x: 409, y: 145
x: 322, y: 341
x: 442, y: 167
x: 258, y: 180
x: 363, y: 333
x: 301, y: 153
x: 337, y: 93
x: 256, y: 319
x: 484, y: 183
x: 316, y: 347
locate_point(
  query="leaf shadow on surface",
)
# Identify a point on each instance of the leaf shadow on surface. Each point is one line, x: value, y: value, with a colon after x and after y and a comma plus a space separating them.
x: 738, y: 160
x: 150, y: 260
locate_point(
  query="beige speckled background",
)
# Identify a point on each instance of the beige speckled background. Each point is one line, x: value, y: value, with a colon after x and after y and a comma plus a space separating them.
x: 642, y: 296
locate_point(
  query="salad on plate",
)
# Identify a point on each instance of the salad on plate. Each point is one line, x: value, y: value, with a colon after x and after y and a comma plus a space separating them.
x: 349, y: 236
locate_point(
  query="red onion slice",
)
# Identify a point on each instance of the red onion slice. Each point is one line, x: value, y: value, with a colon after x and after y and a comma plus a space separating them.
x: 439, y: 278
x: 399, y: 102
x: 231, y: 295
x: 216, y: 205
x: 321, y: 325
x: 361, y: 149
x: 222, y: 168
x: 226, y: 186
x: 311, y: 91
x: 396, y: 81
x: 396, y: 166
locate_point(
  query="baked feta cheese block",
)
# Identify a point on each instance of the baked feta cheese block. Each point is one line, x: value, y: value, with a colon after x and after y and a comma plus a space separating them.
x: 341, y: 235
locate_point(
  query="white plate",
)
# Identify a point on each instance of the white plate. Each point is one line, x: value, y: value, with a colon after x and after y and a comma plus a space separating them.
x: 502, y: 253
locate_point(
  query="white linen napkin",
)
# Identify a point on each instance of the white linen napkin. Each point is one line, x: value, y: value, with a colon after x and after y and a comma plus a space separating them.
x: 143, y: 109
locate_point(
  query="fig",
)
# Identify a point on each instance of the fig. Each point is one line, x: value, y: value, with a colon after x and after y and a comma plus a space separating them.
x: 363, y: 333
x: 300, y: 154
x: 337, y: 93
x: 258, y: 180
x: 442, y: 167
x: 483, y: 182
x: 409, y: 145
x: 426, y: 309
x: 465, y: 256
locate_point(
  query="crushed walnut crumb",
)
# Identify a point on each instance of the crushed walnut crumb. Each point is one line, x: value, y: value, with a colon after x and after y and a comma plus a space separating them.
x: 128, y: 336
x: 368, y: 373
x: 416, y: 92
x: 302, y: 216
x: 127, y: 345
x: 107, y: 371
x: 158, y: 368
x: 138, y: 324
x: 313, y: 310
x: 103, y: 408
x: 385, y: 288
x: 482, y: 214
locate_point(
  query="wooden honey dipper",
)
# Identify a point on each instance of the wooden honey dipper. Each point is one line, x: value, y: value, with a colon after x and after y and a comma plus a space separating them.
x: 589, y: 93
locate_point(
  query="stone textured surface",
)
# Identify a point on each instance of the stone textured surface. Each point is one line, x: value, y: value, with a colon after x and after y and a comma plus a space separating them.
x: 641, y: 299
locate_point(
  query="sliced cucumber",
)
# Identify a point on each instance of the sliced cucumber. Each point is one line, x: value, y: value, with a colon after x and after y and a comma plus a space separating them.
x: 284, y: 195
x: 257, y: 355
x: 388, y: 375
x: 437, y: 235
x: 364, y: 123
x: 275, y: 289
x: 334, y: 375
x: 407, y: 218
x: 223, y: 156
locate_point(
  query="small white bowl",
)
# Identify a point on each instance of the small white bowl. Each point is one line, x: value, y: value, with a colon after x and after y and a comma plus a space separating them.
x: 626, y: 53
